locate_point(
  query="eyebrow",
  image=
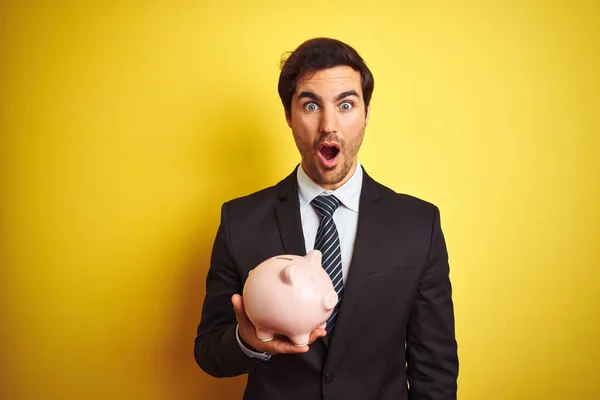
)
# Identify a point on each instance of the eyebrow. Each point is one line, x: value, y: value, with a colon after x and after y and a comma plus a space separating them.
x: 347, y: 93
x: 311, y: 95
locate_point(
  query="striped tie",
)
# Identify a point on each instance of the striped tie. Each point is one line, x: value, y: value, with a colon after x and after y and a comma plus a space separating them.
x: 328, y: 243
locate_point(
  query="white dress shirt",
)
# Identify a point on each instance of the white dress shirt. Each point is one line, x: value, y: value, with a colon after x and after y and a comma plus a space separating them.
x: 345, y: 218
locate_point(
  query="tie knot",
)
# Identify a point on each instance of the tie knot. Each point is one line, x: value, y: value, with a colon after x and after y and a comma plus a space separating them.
x: 325, y: 205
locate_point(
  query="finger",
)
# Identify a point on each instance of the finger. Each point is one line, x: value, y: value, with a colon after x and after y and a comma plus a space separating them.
x: 238, y: 307
x: 236, y: 301
x: 246, y: 330
x: 317, y: 333
x: 285, y: 347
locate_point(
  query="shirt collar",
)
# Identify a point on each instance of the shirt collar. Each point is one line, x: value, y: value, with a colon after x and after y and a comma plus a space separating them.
x: 348, y: 193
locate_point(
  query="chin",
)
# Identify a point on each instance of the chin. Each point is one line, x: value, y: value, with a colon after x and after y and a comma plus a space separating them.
x: 332, y: 176
x: 324, y: 176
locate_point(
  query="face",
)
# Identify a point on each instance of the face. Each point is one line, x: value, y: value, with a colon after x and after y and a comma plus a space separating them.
x: 328, y: 120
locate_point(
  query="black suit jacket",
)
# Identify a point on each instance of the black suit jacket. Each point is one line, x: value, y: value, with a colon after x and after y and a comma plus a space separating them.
x: 396, y: 322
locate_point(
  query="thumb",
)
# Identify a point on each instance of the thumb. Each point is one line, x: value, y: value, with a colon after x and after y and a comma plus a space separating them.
x: 237, y: 302
x: 238, y: 307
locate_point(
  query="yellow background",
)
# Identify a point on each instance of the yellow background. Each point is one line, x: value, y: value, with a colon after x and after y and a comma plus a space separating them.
x: 125, y: 125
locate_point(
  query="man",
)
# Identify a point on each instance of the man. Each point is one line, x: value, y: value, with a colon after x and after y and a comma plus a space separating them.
x: 392, y: 333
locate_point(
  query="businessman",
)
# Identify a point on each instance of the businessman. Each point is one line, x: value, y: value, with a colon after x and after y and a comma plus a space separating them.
x: 391, y: 335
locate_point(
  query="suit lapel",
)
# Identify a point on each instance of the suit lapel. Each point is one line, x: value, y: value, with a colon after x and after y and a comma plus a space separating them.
x: 366, y: 243
x: 288, y: 217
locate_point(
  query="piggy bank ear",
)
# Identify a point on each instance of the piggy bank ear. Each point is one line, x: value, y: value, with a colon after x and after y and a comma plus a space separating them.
x: 288, y: 274
x: 314, y: 257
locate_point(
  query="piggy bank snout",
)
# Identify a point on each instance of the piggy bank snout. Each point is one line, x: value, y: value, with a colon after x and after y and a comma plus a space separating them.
x: 330, y: 300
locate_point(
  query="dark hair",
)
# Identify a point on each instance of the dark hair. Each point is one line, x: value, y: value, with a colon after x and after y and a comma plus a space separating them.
x: 317, y: 54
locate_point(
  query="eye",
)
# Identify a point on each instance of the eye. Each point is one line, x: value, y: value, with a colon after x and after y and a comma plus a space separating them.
x: 311, y: 107
x: 346, y: 106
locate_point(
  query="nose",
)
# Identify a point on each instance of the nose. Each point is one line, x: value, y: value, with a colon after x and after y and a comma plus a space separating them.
x: 329, y: 121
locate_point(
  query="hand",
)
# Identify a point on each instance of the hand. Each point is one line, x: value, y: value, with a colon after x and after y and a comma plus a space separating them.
x: 279, y: 345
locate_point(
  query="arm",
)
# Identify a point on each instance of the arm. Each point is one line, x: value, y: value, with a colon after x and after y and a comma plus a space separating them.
x: 226, y: 343
x: 432, y: 360
x: 216, y: 348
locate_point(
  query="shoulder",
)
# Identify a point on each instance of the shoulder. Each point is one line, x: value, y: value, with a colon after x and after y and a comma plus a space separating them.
x: 403, y: 210
x: 402, y: 202
x: 249, y: 202
x: 405, y: 200
x: 260, y: 203
x: 408, y: 213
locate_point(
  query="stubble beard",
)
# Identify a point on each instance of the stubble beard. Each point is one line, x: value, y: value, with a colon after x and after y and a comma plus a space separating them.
x: 332, y: 176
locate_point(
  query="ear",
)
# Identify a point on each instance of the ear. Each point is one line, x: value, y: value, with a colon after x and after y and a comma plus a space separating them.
x: 288, y: 274
x: 314, y: 257
x: 368, y: 114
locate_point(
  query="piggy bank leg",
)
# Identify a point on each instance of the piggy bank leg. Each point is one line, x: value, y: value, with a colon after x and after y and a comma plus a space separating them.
x: 300, y: 340
x: 323, y: 325
x: 264, y: 335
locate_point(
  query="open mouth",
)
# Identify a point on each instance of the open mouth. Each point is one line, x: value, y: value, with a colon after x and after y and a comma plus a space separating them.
x: 329, y: 151
x: 328, y: 154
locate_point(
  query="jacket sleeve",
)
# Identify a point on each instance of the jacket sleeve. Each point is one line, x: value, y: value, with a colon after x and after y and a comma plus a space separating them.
x: 432, y: 359
x: 216, y: 348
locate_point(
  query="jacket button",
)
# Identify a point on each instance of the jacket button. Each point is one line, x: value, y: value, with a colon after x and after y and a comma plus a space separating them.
x: 329, y: 377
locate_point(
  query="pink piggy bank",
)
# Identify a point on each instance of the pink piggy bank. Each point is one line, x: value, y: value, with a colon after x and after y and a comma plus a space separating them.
x: 289, y: 295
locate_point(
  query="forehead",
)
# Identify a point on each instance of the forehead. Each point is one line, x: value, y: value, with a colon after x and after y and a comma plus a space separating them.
x: 330, y: 81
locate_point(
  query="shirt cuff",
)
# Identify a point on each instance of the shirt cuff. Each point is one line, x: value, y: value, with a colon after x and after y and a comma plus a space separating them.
x: 247, y: 351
